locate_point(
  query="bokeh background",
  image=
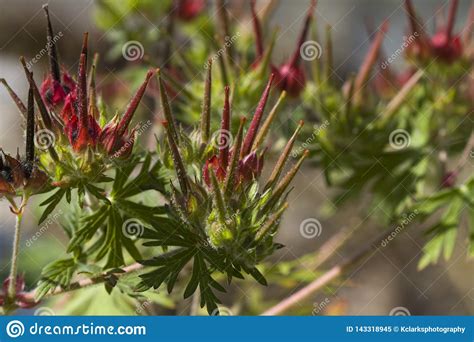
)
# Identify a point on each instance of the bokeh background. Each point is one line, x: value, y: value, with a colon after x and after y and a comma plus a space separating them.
x: 388, y: 278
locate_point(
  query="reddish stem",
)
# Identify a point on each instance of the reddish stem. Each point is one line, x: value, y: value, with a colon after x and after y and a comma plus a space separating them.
x: 132, y: 106
x: 451, y: 17
x: 225, y: 131
x: 82, y: 83
x: 309, y: 16
x: 415, y: 27
x: 257, y: 27
x: 370, y: 59
x: 82, y: 91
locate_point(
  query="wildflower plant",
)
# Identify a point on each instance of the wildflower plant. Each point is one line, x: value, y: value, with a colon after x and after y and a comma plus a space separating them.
x: 84, y: 155
x: 20, y: 177
x: 214, y: 212
x: 222, y: 219
x: 195, y: 212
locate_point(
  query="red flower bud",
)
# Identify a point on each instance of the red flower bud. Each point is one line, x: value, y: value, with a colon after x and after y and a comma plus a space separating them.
x: 290, y: 75
x: 446, y: 48
x: 54, y: 92
x: 250, y: 167
x: 187, y: 10
x: 55, y: 87
x: 218, y: 170
x: 449, y: 179
x: 290, y: 78
x: 443, y: 46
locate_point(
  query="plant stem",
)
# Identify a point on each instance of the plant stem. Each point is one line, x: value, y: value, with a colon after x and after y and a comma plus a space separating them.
x: 465, y: 153
x: 332, y: 245
x: 323, y: 280
x: 14, y: 264
x: 16, y: 250
x: 196, y: 298
x: 83, y: 283
x: 400, y: 97
x: 305, y: 292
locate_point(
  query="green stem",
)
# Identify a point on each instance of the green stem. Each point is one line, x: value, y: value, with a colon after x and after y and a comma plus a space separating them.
x: 16, y: 250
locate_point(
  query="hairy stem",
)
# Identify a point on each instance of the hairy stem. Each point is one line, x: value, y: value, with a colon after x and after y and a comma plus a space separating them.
x: 16, y: 250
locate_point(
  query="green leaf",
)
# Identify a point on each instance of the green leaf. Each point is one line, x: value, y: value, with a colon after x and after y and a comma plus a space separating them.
x: 169, y: 267
x: 89, y: 227
x: 113, y: 244
x: 194, y: 281
x: 445, y: 233
x: 57, y: 274
x: 51, y: 203
x: 255, y: 273
x: 97, y: 192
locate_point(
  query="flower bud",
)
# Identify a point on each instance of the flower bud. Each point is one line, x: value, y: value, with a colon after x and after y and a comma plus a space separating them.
x: 187, y: 10
x: 290, y: 75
